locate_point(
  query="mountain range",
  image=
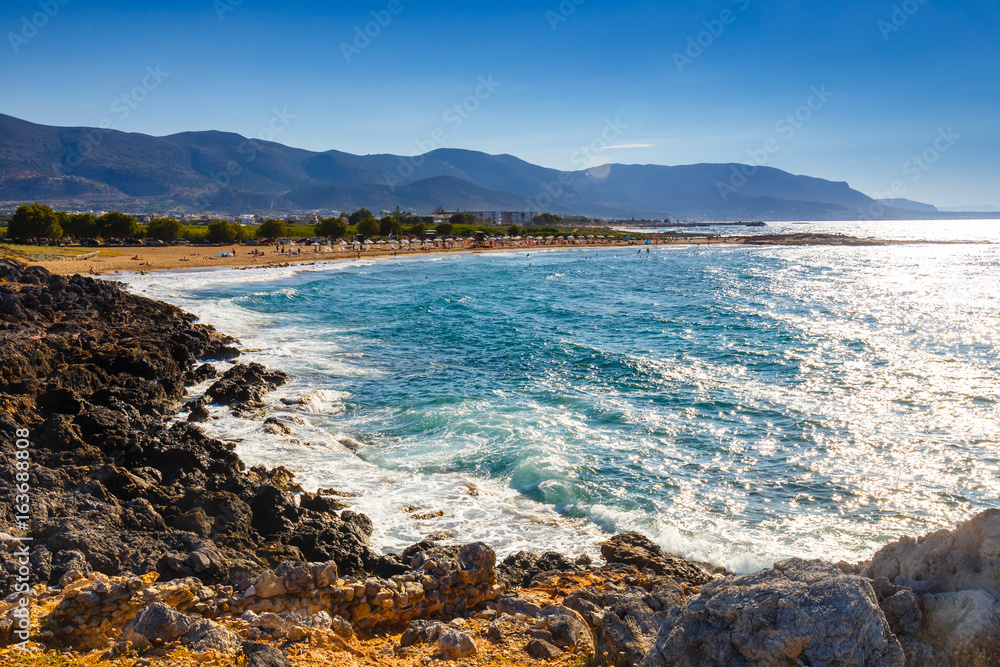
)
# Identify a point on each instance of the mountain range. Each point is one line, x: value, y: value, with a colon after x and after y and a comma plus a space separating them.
x: 226, y: 173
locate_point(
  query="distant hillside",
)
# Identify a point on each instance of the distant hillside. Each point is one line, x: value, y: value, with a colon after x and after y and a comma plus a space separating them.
x: 908, y: 205
x: 425, y: 195
x: 224, y: 172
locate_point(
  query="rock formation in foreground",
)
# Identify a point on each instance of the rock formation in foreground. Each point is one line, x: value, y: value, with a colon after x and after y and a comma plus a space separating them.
x: 152, y: 540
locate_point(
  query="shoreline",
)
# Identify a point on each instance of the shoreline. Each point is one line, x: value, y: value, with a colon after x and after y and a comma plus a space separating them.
x: 175, y: 258
x: 150, y: 524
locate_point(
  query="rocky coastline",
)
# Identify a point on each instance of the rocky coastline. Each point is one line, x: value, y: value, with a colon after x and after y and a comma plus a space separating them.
x: 135, y: 539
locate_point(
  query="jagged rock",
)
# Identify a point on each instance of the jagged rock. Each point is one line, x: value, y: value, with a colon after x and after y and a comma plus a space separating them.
x: 539, y: 649
x: 421, y: 632
x: 199, y: 414
x: 517, y: 570
x: 244, y: 385
x: 202, y: 373
x: 324, y: 574
x: 341, y: 627
x: 799, y: 612
x: 296, y: 577
x: 195, y: 521
x: 513, y: 605
x: 206, y: 635
x: 902, y: 611
x: 567, y: 628
x: 275, y: 426
x: 494, y: 631
x: 322, y: 504
x: 644, y: 554
x: 156, y: 623
x: 454, y: 644
x: 626, y: 622
x: 961, y: 616
x: 947, y: 561
x: 262, y: 655
x: 269, y: 585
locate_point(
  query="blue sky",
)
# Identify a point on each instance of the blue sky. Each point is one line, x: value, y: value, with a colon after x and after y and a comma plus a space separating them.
x: 873, y: 84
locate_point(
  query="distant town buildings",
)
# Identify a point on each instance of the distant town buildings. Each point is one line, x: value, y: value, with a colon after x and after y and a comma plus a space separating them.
x: 505, y: 218
x: 500, y: 218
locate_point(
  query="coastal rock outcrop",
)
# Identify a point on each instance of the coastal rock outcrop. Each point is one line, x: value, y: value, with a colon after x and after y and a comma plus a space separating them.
x: 438, y: 582
x: 244, y: 386
x: 520, y: 568
x: 799, y: 612
x: 946, y: 561
x: 94, y: 374
x: 644, y: 554
x: 627, y: 621
x: 953, y: 579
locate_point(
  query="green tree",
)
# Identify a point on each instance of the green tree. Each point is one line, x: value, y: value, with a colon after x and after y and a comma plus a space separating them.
x: 368, y: 227
x: 359, y: 215
x: 164, y: 229
x: 463, y: 219
x: 418, y: 229
x: 81, y: 226
x: 445, y: 229
x: 34, y: 223
x: 546, y: 219
x: 221, y: 231
x: 390, y: 226
x: 272, y: 229
x: 194, y: 234
x: 334, y: 228
x: 515, y: 230
x: 117, y: 225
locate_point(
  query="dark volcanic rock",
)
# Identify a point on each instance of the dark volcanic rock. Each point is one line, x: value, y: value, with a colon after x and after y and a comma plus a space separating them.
x: 93, y: 373
x: 644, y: 554
x: 262, y: 655
x: 519, y: 569
x: 243, y: 386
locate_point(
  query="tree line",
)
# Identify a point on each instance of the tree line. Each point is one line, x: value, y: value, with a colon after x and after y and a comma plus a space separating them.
x: 37, y: 223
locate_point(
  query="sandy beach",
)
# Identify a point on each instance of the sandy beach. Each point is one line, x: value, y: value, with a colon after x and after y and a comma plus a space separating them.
x: 172, y: 258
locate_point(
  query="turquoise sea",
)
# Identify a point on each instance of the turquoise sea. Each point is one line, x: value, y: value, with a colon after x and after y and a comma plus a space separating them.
x: 737, y: 405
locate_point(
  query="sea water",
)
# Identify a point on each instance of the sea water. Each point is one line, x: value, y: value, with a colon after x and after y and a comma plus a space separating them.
x: 738, y: 405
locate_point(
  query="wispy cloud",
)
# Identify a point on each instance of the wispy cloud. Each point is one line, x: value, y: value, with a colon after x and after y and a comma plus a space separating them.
x: 607, y: 148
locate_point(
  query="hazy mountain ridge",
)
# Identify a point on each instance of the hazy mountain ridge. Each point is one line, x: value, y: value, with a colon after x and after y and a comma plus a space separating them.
x: 223, y: 171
